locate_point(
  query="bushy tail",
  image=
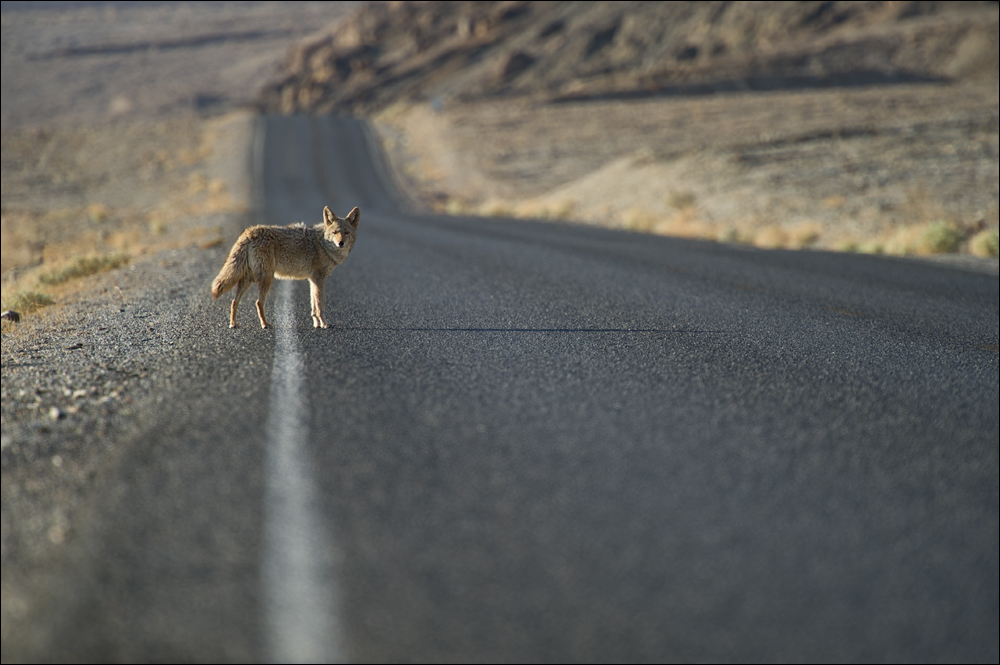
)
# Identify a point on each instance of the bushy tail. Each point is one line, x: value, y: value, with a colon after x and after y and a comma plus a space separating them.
x: 233, y: 269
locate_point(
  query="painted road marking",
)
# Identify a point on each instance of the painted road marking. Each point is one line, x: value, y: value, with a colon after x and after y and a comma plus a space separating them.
x: 298, y: 579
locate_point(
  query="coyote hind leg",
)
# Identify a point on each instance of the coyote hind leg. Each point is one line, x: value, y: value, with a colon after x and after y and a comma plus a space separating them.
x: 241, y: 288
x: 264, y: 285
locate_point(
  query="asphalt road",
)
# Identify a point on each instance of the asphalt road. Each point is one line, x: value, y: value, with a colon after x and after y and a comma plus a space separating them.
x: 523, y: 442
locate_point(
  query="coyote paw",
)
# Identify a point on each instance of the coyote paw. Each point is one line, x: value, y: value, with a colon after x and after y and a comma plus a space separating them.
x: 234, y: 325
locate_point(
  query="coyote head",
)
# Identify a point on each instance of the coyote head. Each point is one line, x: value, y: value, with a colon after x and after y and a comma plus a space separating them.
x: 341, y: 231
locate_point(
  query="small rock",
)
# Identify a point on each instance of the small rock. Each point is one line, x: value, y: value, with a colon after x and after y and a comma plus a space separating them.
x: 55, y: 413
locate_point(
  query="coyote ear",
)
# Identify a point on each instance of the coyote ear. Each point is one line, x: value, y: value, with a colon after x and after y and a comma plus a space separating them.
x: 328, y: 216
x: 354, y: 217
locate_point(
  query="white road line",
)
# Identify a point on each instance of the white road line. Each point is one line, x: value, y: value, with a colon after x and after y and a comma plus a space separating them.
x: 298, y: 581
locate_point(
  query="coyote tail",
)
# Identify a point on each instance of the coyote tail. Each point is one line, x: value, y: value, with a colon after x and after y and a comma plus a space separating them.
x: 233, y: 270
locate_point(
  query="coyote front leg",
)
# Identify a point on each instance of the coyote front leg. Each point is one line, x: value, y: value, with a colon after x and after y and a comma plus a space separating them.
x: 316, y: 301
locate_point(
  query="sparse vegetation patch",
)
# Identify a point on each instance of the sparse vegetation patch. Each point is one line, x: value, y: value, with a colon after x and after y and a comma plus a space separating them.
x: 651, y: 131
x: 681, y: 200
x: 985, y: 244
x: 942, y: 238
x: 83, y: 266
x: 25, y: 302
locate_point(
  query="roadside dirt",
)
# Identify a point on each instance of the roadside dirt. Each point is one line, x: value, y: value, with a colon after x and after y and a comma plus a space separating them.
x: 78, y: 375
x: 125, y: 152
x: 868, y: 169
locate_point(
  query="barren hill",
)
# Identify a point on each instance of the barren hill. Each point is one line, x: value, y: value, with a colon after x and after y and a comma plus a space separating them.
x: 568, y: 50
x: 865, y: 126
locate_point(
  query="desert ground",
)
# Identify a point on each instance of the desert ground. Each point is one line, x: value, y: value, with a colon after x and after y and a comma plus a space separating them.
x: 827, y: 126
x: 871, y: 169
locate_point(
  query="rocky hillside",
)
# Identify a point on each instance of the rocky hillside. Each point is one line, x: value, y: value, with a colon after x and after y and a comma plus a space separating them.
x: 561, y: 51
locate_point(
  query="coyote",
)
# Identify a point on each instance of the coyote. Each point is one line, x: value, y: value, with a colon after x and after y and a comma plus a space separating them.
x: 262, y: 253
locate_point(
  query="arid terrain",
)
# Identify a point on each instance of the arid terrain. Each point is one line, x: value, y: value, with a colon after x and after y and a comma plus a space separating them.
x: 861, y: 127
x: 111, y: 117
x: 875, y: 170
x: 85, y: 63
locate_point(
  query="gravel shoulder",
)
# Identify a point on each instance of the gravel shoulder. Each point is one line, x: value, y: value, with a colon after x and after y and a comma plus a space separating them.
x: 125, y: 143
x: 85, y: 392
x: 86, y: 379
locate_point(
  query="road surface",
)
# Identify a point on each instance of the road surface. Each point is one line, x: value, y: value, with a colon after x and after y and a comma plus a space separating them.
x: 524, y: 442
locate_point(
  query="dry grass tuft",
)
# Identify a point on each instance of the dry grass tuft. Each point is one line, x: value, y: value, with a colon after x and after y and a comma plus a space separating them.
x: 681, y: 200
x: 98, y: 212
x: 530, y: 210
x: 925, y: 239
x: 903, y: 241
x: 940, y: 238
x: 985, y: 244
x: 804, y: 234
x: 871, y: 247
x: 496, y: 208
x: 834, y: 202
x: 732, y: 235
x: 82, y: 266
x: 197, y: 183
x: 456, y: 206
x: 25, y: 302
x: 770, y: 237
x: 561, y: 209
x: 686, y: 223
x: 638, y: 219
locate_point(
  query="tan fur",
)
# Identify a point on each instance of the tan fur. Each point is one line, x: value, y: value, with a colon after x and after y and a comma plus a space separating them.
x: 262, y: 253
